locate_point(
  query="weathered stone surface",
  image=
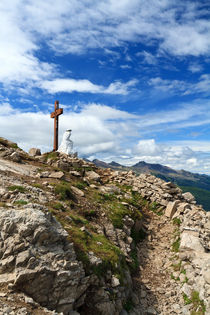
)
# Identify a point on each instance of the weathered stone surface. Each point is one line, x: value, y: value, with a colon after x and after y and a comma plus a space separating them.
x: 15, y: 157
x: 171, y: 208
x: 188, y: 197
x: 77, y: 191
x: 190, y: 242
x: 57, y: 175
x: 91, y: 175
x: 45, y: 268
x: 34, y: 152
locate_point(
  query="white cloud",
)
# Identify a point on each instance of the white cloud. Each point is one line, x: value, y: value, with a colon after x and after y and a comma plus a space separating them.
x: 195, y: 67
x: 85, y: 86
x: 180, y: 86
x: 147, y: 57
x: 110, y: 133
x: 77, y: 26
x: 147, y: 148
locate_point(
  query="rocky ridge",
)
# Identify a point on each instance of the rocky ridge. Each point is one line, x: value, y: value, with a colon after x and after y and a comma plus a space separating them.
x: 125, y: 244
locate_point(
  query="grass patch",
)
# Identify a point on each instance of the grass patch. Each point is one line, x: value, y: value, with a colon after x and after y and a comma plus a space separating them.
x: 81, y: 185
x: 18, y: 188
x: 111, y: 256
x: 177, y: 221
x: 197, y: 304
x: 177, y: 267
x: 51, y: 155
x: 187, y: 300
x: 36, y: 185
x: 3, y: 204
x: 176, y: 245
x: 118, y: 211
x: 128, y: 306
x: 89, y: 214
x: 64, y: 192
x: 20, y: 202
x: 58, y: 206
x: 8, y: 144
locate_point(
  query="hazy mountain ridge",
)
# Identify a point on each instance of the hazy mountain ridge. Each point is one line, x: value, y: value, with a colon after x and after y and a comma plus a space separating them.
x: 197, y: 184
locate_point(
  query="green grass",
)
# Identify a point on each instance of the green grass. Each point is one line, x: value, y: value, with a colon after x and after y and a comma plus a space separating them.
x: 51, y: 155
x: 80, y: 185
x: 198, y: 306
x: 177, y: 221
x: 187, y: 300
x: 111, y: 256
x: 58, y: 206
x: 18, y: 188
x: 37, y: 185
x: 64, y: 192
x: 20, y: 202
x: 176, y: 245
x: 117, y: 211
x: 177, y: 267
x: 7, y: 144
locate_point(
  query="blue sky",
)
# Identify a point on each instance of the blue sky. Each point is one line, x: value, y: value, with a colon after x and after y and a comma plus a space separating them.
x: 133, y: 78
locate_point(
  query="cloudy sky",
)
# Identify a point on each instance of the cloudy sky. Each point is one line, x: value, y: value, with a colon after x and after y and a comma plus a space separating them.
x: 133, y: 77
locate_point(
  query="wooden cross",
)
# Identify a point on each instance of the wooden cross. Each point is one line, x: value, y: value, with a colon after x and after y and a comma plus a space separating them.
x: 57, y: 112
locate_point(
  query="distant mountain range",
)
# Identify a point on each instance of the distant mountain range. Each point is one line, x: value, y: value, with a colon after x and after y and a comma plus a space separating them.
x: 197, y: 184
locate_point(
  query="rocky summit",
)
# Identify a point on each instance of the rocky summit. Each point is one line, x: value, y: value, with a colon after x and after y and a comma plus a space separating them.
x: 79, y: 239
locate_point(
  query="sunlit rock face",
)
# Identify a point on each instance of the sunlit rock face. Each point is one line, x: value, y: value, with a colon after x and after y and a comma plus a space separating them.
x: 66, y: 144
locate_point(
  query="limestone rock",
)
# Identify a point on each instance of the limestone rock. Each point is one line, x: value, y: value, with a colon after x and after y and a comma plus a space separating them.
x: 34, y: 152
x: 115, y: 282
x: 57, y: 175
x: 15, y: 157
x: 91, y: 175
x: 77, y: 191
x: 188, y: 197
x: 44, y: 266
x: 190, y: 242
x: 171, y: 208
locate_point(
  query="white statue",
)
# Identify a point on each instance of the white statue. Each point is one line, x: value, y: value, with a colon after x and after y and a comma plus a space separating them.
x: 66, y: 144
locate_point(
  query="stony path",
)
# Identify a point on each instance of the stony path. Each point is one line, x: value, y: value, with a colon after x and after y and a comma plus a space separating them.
x: 158, y: 292
x: 18, y: 168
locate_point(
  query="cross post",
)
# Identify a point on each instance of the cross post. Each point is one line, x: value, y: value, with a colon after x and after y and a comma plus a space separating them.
x: 57, y: 112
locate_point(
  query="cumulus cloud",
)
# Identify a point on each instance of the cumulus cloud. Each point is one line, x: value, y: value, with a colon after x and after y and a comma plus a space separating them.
x: 85, y: 86
x: 78, y: 26
x: 107, y: 133
x: 180, y: 86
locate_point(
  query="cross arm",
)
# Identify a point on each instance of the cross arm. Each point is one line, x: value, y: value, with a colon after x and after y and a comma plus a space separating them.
x: 57, y: 112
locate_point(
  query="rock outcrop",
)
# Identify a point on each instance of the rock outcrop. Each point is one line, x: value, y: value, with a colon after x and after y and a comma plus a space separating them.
x: 37, y: 259
x: 125, y: 244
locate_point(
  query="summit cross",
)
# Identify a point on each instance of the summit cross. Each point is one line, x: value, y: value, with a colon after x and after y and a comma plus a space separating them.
x: 57, y: 112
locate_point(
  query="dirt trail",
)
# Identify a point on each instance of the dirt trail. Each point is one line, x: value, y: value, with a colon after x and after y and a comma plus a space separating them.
x: 158, y: 292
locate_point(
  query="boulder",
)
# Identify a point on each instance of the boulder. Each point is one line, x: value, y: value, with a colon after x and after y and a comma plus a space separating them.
x: 15, y: 157
x: 171, y: 208
x: 34, y: 152
x: 188, y: 197
x: 91, y: 175
x: 77, y: 191
x: 190, y: 242
x: 57, y: 175
x: 44, y: 266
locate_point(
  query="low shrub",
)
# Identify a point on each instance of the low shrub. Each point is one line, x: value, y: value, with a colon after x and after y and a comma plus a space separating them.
x: 18, y: 188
